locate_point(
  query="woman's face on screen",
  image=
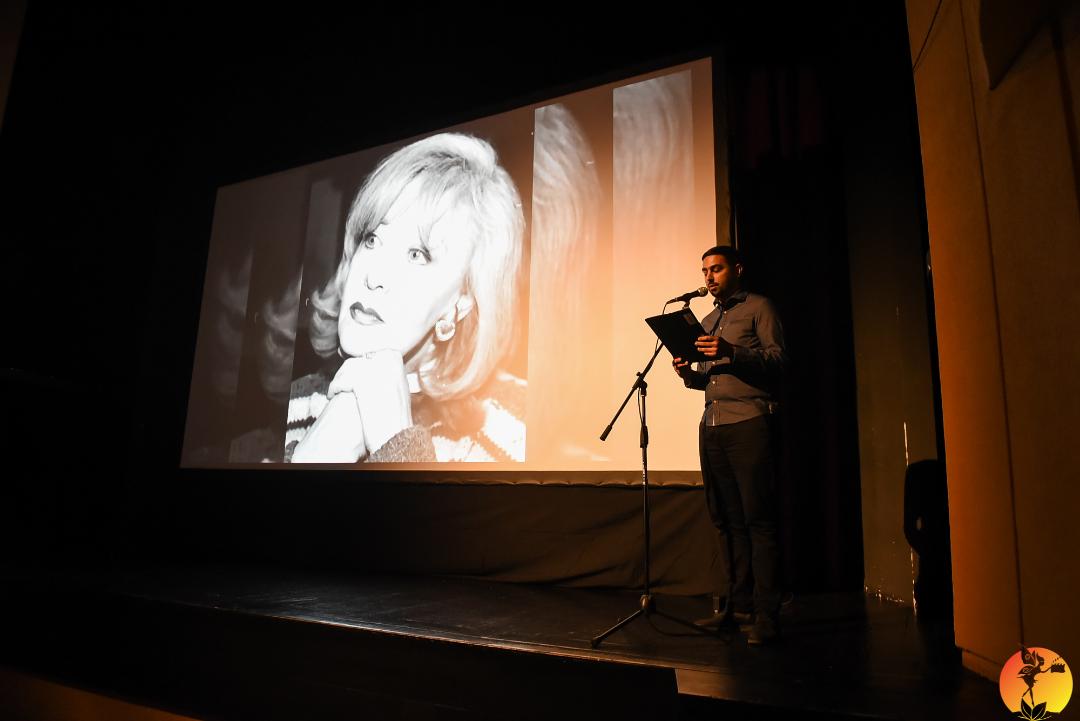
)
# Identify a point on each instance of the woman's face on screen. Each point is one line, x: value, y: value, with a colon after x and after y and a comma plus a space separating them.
x: 400, y: 283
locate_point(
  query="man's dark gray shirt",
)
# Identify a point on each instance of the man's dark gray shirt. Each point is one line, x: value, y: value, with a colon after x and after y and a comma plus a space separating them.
x: 740, y: 388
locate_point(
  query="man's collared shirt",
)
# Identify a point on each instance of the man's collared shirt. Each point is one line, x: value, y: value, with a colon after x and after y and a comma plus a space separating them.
x: 741, y: 387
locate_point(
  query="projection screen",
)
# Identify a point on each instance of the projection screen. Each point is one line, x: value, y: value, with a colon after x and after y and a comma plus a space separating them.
x: 473, y: 298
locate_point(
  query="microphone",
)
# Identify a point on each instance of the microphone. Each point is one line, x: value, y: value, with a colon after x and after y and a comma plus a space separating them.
x: 686, y: 297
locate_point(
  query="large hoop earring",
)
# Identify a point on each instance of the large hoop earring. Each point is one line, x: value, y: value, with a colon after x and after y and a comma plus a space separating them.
x: 444, y: 329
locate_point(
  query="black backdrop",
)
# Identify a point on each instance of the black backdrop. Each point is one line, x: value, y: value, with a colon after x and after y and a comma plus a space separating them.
x: 121, y: 124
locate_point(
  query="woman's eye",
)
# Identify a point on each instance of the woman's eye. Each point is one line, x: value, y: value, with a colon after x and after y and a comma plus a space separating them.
x: 419, y: 256
x: 368, y: 241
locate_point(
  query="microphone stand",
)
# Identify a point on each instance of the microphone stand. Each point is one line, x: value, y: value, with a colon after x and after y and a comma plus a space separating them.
x: 646, y: 604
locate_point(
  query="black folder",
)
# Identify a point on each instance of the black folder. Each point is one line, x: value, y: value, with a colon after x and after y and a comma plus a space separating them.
x: 678, y: 331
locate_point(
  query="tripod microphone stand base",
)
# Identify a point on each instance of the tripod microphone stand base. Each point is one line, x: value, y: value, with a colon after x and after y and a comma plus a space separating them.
x: 646, y: 602
x: 647, y: 608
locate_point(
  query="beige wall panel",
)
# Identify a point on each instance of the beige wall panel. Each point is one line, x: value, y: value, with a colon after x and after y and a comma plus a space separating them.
x: 919, y: 13
x: 973, y: 404
x: 1035, y: 232
x: 1070, y: 30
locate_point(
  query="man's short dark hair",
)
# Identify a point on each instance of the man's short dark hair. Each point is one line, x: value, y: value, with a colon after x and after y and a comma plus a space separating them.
x: 732, y: 256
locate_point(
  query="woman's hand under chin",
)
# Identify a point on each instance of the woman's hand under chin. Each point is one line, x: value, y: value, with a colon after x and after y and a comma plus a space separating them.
x: 337, y: 436
x: 376, y: 382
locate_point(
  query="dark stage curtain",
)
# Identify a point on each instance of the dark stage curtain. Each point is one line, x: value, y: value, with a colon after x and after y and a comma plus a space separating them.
x: 788, y: 196
x: 569, y: 535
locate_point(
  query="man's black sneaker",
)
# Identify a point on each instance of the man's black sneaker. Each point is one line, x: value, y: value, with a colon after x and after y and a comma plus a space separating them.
x: 763, y: 631
x: 712, y: 622
x: 723, y: 618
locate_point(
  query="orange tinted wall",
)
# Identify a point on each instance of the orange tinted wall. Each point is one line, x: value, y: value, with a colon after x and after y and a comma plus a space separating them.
x: 1000, y: 169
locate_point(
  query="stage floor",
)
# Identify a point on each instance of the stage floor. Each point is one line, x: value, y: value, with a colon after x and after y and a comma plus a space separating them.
x: 839, y: 656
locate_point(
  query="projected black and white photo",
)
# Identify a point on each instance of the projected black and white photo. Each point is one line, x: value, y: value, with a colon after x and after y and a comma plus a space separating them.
x: 421, y: 306
x: 474, y: 295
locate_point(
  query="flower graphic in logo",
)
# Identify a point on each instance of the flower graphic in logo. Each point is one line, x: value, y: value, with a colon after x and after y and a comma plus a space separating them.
x: 1032, y: 688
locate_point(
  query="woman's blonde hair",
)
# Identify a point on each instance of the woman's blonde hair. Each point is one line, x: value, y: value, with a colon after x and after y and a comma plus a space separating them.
x: 449, y: 171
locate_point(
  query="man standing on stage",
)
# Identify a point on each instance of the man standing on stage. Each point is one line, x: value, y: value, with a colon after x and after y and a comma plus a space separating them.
x: 745, y: 348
